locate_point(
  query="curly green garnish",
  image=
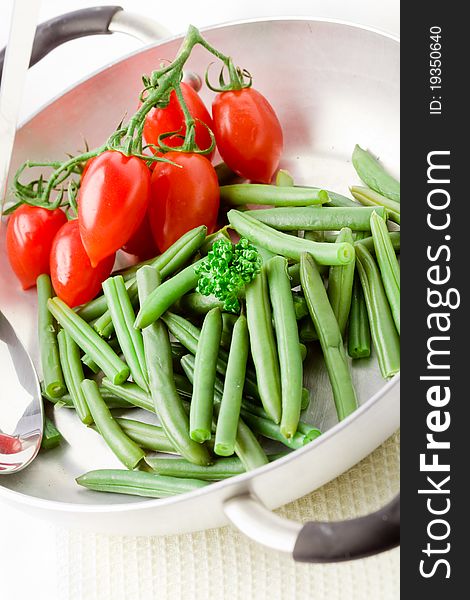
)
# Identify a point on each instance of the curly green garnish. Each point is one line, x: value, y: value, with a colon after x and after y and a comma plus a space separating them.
x: 227, y: 270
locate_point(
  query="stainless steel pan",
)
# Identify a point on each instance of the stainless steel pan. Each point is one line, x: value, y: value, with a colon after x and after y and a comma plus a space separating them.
x: 332, y: 85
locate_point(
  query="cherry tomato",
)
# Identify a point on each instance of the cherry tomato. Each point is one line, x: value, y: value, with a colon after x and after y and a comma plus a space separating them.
x: 171, y: 118
x: 182, y: 198
x: 74, y: 280
x: 30, y: 232
x: 112, y: 202
x: 87, y: 166
x: 141, y: 243
x: 248, y: 134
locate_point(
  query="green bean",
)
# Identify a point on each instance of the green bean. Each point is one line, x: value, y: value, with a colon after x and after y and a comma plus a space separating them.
x: 130, y: 272
x: 221, y: 234
x: 303, y: 428
x: 89, y: 341
x: 252, y: 193
x: 180, y: 252
x: 307, y: 331
x: 340, y: 284
x: 227, y: 422
x: 370, y: 198
x: 330, y: 337
x: 270, y: 430
x: 247, y: 447
x: 265, y: 255
x: 197, y: 304
x: 73, y: 374
x: 359, y: 330
x: 263, y: 345
x: 294, y: 275
x: 130, y: 339
x: 166, y: 294
x: 104, y: 325
x: 188, y: 334
x: 317, y: 218
x: 286, y: 245
x: 128, y: 452
x: 225, y: 175
x: 48, y: 348
x: 374, y: 175
x: 384, y: 333
x: 93, y: 309
x: 222, y: 468
x: 228, y: 322
x: 200, y: 418
x: 284, y: 178
x: 300, y: 306
x: 111, y: 400
x: 177, y: 351
x: 168, y: 403
x: 86, y: 360
x: 368, y: 242
x: 138, y: 483
x: 340, y: 200
x: 97, y: 310
x: 150, y: 437
x: 167, y: 263
x: 51, y: 437
x: 136, y: 396
x: 183, y: 330
x: 287, y: 336
x: 131, y: 392
x: 388, y: 265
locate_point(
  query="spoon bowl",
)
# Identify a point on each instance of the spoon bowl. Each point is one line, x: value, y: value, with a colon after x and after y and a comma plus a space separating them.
x: 21, y: 410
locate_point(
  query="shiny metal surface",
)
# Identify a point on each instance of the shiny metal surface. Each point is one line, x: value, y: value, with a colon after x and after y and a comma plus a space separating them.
x: 138, y: 26
x: 332, y: 85
x: 21, y: 413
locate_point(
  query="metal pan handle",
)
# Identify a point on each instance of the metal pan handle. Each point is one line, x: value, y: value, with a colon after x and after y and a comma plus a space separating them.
x: 317, y: 542
x: 97, y: 20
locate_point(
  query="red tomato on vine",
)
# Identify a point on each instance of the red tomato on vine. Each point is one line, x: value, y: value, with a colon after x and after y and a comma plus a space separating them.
x: 182, y: 197
x: 248, y: 133
x: 171, y: 118
x: 30, y: 232
x: 74, y: 279
x: 112, y: 201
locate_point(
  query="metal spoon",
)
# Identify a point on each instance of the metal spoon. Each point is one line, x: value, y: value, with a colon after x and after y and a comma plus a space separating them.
x: 21, y: 411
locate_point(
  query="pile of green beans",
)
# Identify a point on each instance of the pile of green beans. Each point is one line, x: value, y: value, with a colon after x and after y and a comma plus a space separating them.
x: 212, y: 385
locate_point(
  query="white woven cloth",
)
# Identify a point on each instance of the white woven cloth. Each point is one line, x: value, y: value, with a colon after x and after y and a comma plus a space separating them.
x: 222, y: 564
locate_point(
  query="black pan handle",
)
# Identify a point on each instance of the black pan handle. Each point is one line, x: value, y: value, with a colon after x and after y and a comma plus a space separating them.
x: 317, y: 542
x: 80, y: 23
x: 321, y: 542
